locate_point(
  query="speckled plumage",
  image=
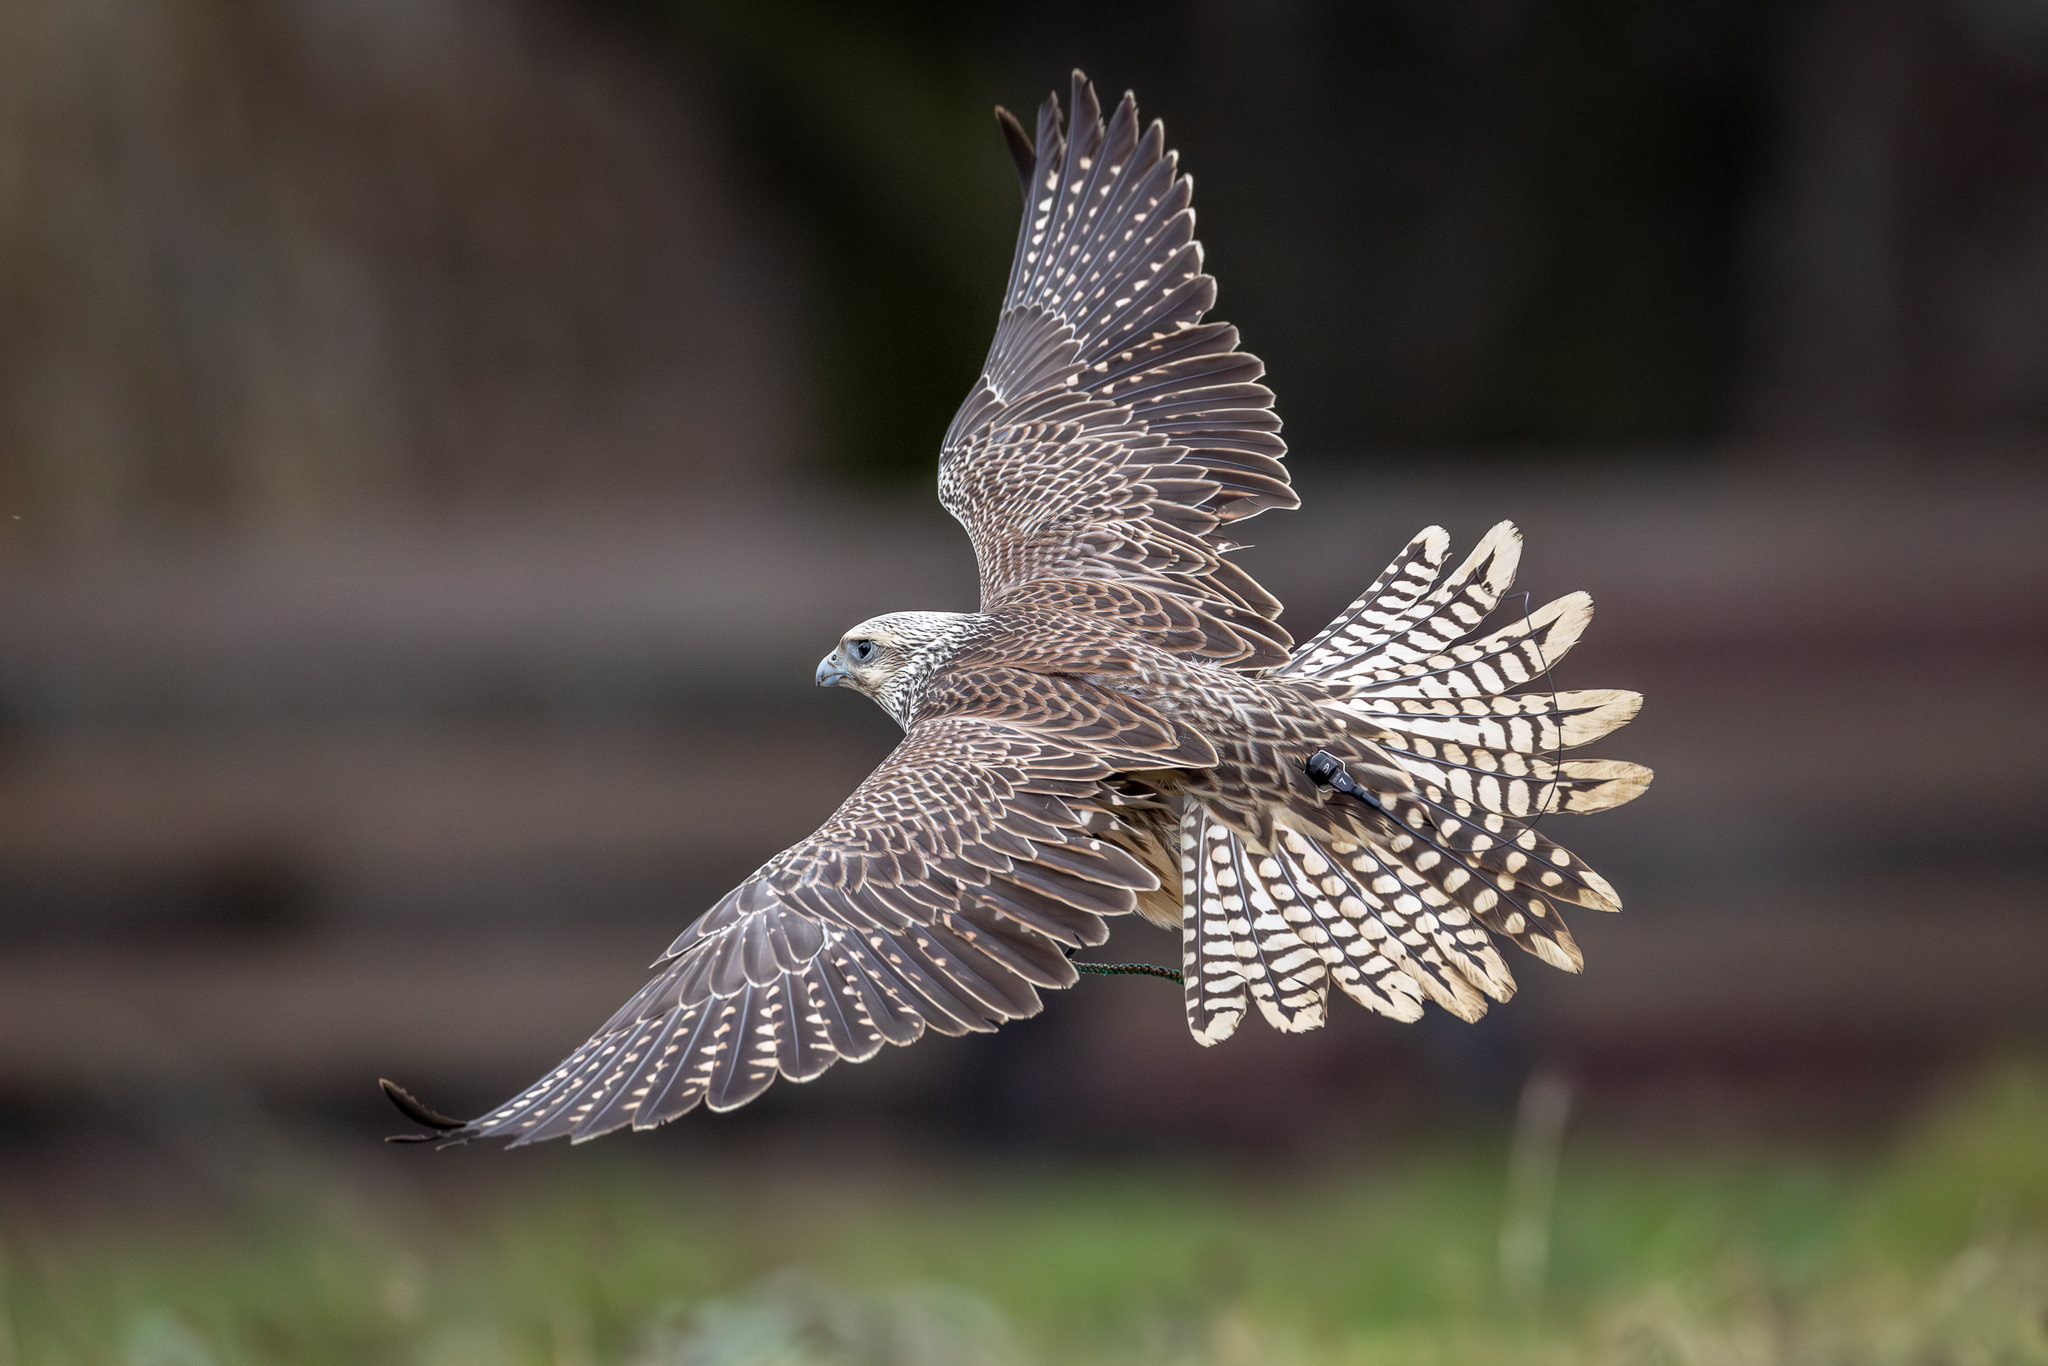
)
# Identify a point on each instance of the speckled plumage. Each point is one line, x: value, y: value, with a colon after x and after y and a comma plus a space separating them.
x: 1124, y: 725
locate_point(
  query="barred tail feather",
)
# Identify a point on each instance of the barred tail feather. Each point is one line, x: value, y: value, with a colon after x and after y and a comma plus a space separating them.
x: 1527, y: 723
x: 1273, y: 928
x: 1212, y: 975
x: 1361, y: 956
x: 1378, y: 610
x: 1514, y: 784
x: 1443, y: 699
x: 1411, y: 639
x: 1398, y: 901
x: 1288, y: 978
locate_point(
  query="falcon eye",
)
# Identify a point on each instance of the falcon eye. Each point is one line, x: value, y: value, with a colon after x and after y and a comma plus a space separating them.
x: 860, y: 651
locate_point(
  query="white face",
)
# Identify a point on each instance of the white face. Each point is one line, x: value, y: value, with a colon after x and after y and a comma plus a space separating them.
x: 885, y: 656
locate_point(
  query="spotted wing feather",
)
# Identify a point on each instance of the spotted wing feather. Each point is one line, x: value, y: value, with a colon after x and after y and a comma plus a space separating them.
x: 933, y: 899
x: 1113, y: 432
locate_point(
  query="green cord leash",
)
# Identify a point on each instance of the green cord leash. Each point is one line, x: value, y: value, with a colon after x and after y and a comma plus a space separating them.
x: 1129, y: 970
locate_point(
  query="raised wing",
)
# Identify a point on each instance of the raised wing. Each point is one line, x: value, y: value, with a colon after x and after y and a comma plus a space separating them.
x: 1112, y: 432
x: 937, y: 897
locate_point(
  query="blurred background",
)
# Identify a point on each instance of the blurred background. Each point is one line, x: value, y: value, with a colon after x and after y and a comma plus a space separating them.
x: 438, y: 438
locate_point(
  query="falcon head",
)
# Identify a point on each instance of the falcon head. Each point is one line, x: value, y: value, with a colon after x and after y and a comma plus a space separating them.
x: 886, y: 657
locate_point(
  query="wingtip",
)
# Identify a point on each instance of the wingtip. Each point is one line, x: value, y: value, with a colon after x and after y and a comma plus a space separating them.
x: 1083, y: 99
x: 1021, y: 151
x: 1563, y: 956
x: 1501, y: 551
x: 1604, y: 897
x: 409, y: 1105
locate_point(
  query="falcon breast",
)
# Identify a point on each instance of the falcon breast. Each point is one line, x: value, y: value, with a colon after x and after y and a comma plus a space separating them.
x: 1124, y: 727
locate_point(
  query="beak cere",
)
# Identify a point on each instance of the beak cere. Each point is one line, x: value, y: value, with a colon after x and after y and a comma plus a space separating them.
x: 830, y: 675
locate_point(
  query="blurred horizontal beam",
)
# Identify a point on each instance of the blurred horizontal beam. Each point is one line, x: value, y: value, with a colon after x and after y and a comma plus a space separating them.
x: 593, y: 606
x: 1873, y: 974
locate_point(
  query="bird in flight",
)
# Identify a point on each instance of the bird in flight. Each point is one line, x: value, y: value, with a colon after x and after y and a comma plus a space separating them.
x: 1124, y: 727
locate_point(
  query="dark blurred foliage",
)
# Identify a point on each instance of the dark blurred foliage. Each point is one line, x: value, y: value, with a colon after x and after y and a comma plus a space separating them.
x: 282, y: 259
x: 872, y: 131
x: 1585, y: 225
x: 1438, y: 224
x: 275, y: 263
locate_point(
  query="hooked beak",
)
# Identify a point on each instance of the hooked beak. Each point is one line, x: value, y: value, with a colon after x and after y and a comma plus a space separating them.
x: 830, y: 674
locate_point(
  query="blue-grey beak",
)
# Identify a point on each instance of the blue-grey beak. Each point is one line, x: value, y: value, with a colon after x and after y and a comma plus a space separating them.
x: 830, y: 675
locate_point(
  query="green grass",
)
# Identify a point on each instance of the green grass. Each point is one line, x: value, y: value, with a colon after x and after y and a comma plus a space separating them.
x: 1932, y: 1249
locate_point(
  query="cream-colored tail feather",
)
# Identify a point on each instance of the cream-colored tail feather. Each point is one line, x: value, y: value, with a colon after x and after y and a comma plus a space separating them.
x: 1396, y: 894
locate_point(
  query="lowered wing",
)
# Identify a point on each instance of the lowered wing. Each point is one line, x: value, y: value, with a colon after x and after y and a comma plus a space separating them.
x: 939, y: 896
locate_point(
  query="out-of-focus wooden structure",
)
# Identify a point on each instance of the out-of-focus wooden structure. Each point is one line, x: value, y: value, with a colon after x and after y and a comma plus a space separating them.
x: 410, y: 803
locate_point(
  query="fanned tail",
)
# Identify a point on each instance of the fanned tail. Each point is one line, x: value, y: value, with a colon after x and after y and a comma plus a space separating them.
x: 1396, y: 889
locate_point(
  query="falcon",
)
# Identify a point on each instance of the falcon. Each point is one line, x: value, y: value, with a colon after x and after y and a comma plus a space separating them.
x: 1124, y: 727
